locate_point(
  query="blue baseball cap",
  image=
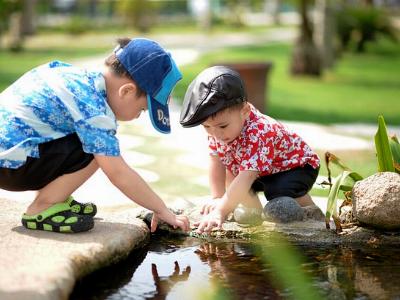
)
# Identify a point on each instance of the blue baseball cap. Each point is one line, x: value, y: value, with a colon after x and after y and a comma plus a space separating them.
x: 154, y: 70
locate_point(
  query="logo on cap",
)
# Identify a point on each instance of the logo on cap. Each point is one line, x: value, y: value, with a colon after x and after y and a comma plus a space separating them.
x: 161, y: 118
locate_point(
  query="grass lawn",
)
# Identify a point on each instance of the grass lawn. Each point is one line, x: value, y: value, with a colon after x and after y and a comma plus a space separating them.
x: 358, y: 89
x: 48, y: 47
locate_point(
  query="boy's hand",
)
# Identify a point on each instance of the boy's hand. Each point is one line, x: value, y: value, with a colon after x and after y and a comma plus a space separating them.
x: 208, y: 222
x: 209, y: 206
x: 174, y: 220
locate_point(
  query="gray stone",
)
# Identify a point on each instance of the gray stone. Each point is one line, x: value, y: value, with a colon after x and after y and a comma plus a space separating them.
x: 283, y: 210
x: 313, y: 212
x: 376, y: 200
x: 45, y: 265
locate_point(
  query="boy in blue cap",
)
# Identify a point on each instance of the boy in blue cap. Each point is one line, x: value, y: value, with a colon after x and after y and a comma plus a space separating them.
x: 58, y: 126
x: 249, y: 152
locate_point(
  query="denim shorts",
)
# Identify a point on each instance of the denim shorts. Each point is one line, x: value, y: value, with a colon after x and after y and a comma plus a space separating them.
x: 58, y: 157
x: 292, y: 183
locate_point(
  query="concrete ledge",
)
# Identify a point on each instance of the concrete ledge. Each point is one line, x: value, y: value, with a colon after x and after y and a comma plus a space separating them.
x: 45, y: 265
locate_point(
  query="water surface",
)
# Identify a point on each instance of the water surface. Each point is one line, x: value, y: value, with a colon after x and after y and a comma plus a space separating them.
x: 189, y: 268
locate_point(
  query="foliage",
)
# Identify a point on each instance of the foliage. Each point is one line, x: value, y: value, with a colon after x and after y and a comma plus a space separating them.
x: 286, y: 262
x: 388, y: 156
x: 77, y: 25
x: 360, y: 25
x: 138, y: 13
x: 344, y: 182
x: 7, y: 7
x: 387, y: 149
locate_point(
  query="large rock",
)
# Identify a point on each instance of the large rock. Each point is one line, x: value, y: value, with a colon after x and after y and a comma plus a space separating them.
x: 376, y: 200
x: 45, y: 265
x: 283, y: 210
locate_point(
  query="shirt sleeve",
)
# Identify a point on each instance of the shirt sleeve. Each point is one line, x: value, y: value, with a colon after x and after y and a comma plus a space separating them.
x: 98, y: 135
x: 94, y: 122
x: 258, y: 152
x: 212, y: 146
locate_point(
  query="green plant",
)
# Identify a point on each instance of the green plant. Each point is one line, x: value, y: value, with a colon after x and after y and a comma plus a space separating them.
x: 286, y: 263
x: 138, y: 13
x: 360, y: 25
x: 77, y: 25
x: 388, y: 156
x: 387, y: 149
x: 343, y: 182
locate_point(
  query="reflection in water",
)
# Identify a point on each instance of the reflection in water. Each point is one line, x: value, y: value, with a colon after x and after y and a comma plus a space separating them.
x: 237, y: 270
x: 357, y: 273
x: 165, y: 283
x: 188, y: 268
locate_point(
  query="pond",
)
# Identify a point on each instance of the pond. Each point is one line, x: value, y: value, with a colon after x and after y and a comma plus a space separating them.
x: 188, y: 268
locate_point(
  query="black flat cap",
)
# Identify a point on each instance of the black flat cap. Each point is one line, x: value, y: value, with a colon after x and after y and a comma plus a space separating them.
x: 214, y: 89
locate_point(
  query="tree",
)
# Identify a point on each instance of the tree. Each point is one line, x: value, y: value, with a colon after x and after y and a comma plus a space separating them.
x: 325, y: 32
x: 28, y: 26
x: 7, y: 7
x: 138, y: 13
x: 305, y: 57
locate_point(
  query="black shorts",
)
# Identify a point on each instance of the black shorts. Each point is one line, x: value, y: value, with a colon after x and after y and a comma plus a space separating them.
x: 58, y: 157
x: 292, y: 183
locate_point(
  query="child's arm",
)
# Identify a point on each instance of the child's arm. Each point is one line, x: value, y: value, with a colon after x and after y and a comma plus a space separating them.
x: 216, y: 178
x: 135, y: 188
x: 237, y: 190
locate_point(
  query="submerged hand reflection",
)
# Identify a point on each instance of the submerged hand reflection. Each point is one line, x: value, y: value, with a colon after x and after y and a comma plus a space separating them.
x: 217, y: 257
x: 165, y: 283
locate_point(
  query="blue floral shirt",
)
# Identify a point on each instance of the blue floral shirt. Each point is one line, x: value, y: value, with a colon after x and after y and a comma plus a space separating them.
x: 50, y: 102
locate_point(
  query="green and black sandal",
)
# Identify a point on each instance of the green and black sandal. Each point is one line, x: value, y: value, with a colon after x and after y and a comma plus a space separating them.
x: 85, y: 209
x: 58, y: 218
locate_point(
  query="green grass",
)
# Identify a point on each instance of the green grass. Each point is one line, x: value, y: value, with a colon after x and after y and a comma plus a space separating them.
x: 48, y: 47
x: 13, y: 65
x: 358, y: 89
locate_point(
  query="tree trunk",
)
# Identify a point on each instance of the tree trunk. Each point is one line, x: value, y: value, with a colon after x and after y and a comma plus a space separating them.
x: 325, y: 32
x: 28, y: 26
x: 305, y: 57
x: 15, y: 37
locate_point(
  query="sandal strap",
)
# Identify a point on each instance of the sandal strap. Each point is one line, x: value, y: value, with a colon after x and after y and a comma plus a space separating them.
x: 81, y: 208
x: 50, y: 212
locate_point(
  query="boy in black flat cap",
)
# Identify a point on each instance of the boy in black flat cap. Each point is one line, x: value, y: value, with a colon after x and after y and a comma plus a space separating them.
x: 249, y: 152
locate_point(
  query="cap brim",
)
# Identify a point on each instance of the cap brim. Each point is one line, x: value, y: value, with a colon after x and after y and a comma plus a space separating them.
x: 159, y: 115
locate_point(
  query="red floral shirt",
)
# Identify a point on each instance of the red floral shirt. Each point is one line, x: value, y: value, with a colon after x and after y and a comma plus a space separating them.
x: 264, y: 145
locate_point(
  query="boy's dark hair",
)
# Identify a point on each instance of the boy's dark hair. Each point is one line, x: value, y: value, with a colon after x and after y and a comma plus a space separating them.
x: 115, y: 65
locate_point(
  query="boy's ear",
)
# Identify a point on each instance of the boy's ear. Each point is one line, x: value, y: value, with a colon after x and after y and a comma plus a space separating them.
x: 126, y: 89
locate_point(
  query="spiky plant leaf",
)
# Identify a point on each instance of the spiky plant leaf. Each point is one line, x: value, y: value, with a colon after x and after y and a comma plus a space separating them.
x: 343, y: 182
x: 383, y: 149
x: 395, y: 147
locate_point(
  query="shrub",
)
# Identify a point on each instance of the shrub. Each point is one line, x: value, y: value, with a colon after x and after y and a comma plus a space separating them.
x: 388, y: 156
